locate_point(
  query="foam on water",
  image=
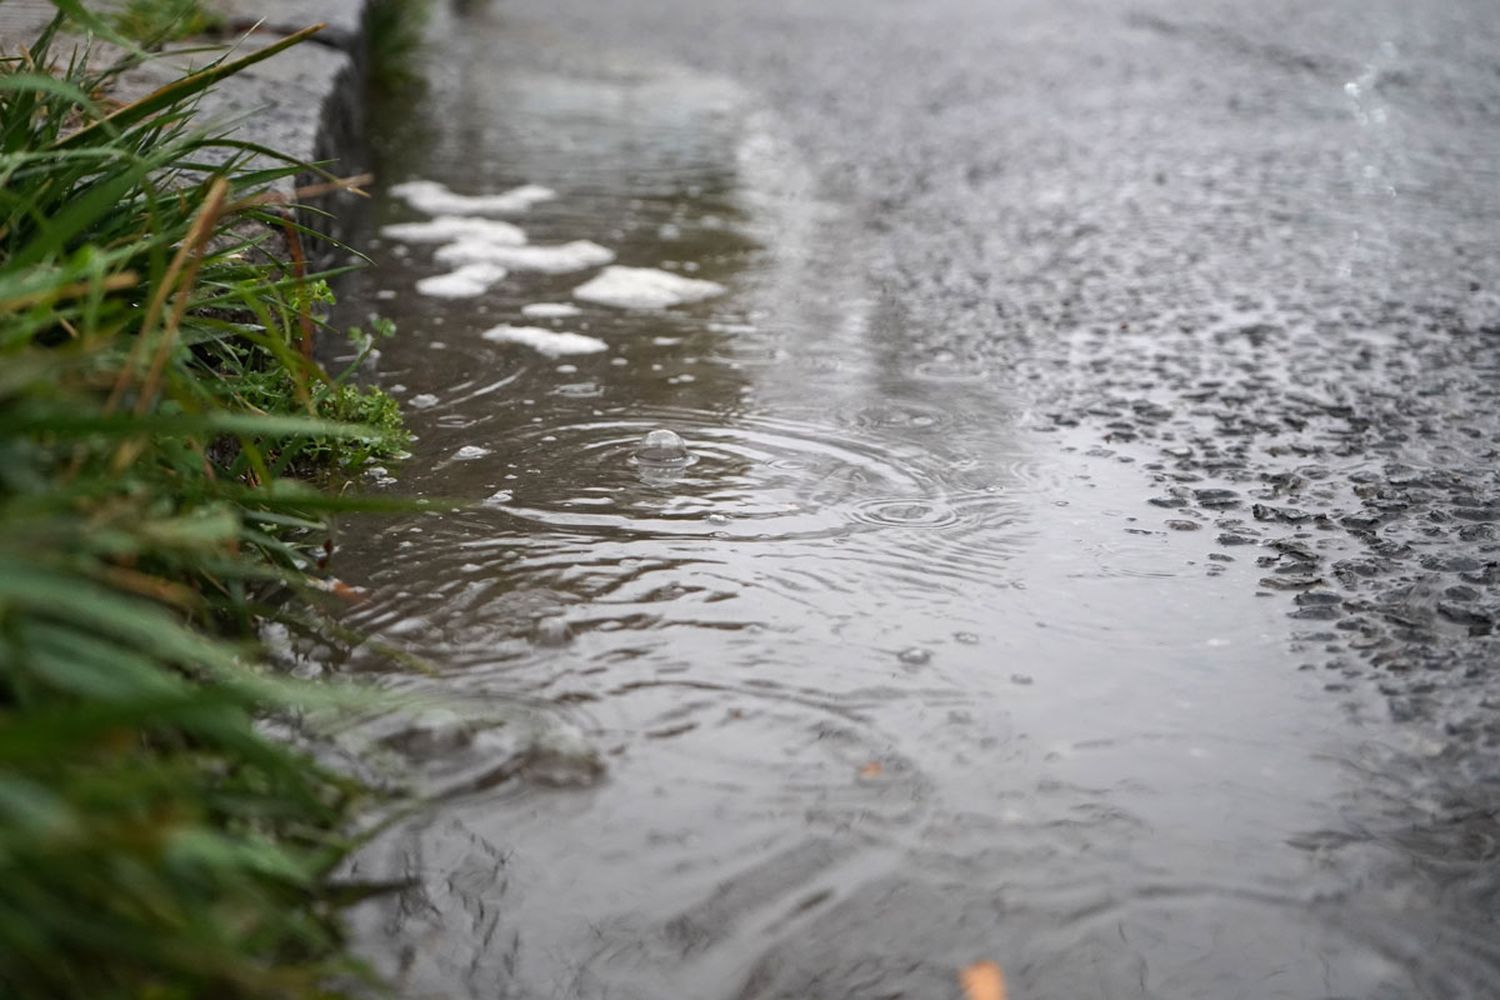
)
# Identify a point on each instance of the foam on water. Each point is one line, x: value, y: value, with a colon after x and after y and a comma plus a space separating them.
x: 552, y: 343
x: 549, y: 310
x: 434, y: 198
x: 447, y: 228
x: 464, y: 283
x: 560, y: 258
x: 645, y: 288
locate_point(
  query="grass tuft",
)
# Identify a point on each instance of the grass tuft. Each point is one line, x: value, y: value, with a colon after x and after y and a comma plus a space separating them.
x: 170, y: 456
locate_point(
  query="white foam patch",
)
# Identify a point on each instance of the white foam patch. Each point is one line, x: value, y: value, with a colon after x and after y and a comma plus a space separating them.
x: 447, y: 228
x: 423, y: 401
x: 436, y: 199
x: 559, y: 258
x: 470, y: 452
x: 645, y: 288
x: 464, y: 283
x: 552, y: 343
x: 550, y: 310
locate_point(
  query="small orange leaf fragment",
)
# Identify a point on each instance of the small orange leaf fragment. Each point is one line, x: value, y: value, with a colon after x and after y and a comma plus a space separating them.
x: 982, y: 981
x: 874, y: 769
x: 350, y: 595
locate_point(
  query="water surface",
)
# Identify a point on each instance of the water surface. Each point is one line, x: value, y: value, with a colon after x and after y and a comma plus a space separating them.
x: 897, y: 675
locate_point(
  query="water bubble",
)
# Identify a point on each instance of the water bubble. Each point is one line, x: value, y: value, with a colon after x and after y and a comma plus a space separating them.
x: 914, y: 656
x: 552, y: 632
x: 662, y: 447
x: 661, y: 456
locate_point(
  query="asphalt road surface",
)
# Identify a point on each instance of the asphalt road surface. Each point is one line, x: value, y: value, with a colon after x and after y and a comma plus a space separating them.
x: 1214, y: 709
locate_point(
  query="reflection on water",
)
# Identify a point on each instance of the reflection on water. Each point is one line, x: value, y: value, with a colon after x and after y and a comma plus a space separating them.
x: 772, y: 661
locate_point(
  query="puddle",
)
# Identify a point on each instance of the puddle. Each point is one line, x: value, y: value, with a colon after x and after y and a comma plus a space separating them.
x: 854, y: 676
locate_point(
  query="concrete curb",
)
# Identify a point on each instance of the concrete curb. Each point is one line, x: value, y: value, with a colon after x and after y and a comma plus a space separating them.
x: 306, y: 102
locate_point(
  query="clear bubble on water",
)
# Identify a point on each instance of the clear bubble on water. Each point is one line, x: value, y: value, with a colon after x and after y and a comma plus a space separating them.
x: 552, y: 632
x: 662, y: 449
x: 662, y: 458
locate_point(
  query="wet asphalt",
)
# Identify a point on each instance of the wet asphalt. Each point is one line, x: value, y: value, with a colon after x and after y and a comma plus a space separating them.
x: 1257, y: 246
x: 1247, y: 255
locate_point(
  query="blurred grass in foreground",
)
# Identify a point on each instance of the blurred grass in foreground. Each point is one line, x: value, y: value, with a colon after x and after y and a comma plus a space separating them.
x: 151, y: 22
x: 393, y: 44
x: 169, y: 457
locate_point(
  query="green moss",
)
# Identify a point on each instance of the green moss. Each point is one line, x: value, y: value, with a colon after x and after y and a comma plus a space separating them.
x: 320, y: 455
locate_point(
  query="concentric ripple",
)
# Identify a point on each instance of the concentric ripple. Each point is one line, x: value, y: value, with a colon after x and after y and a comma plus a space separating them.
x: 903, y: 512
x: 752, y: 477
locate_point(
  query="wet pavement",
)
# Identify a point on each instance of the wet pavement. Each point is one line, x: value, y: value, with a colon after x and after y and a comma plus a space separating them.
x: 1086, y: 558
